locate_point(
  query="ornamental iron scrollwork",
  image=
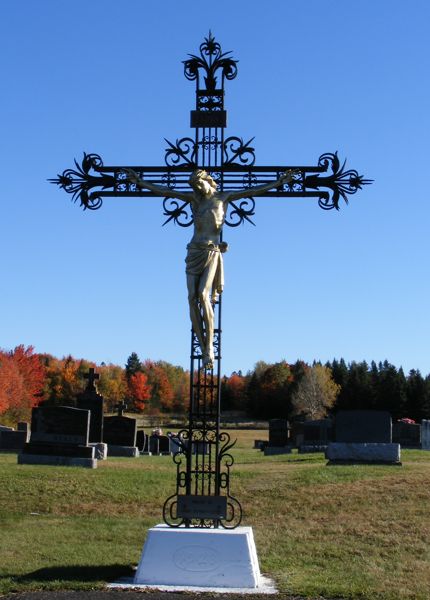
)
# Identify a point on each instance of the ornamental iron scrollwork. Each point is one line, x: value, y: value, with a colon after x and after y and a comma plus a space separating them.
x: 215, y: 476
x: 240, y: 212
x: 183, y: 152
x: 80, y: 181
x: 238, y: 152
x: 341, y: 183
x: 177, y: 211
x: 210, y: 61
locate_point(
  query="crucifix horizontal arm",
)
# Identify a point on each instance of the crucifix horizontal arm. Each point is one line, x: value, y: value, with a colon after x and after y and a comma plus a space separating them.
x: 328, y: 181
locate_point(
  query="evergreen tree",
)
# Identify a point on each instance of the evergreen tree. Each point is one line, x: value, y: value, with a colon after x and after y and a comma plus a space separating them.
x: 339, y: 372
x: 358, y: 392
x: 391, y: 392
x: 417, y: 396
x: 133, y: 365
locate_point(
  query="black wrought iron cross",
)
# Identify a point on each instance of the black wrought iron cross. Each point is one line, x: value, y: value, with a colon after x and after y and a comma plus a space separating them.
x: 202, y: 497
x: 92, y: 377
x: 230, y: 161
x: 121, y: 407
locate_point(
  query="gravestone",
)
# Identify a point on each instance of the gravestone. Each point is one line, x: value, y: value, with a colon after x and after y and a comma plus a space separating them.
x: 154, y: 444
x: 316, y: 435
x: 141, y: 440
x: 175, y: 443
x: 59, y: 436
x: 260, y: 444
x: 120, y: 434
x: 278, y: 438
x: 363, y: 437
x: 425, y: 434
x: 278, y: 432
x: 407, y: 434
x: 297, y: 434
x: 164, y: 444
x: 91, y: 400
x: 363, y: 426
x: 13, y: 440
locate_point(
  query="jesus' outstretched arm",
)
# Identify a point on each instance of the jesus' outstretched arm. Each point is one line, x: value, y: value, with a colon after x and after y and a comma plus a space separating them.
x: 258, y: 190
x: 159, y: 190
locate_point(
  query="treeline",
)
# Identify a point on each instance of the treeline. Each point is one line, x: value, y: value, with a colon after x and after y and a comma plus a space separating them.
x: 288, y: 391
x: 268, y: 391
x: 28, y: 378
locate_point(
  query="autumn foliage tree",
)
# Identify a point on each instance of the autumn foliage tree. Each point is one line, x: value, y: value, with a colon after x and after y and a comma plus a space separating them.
x: 315, y: 394
x: 138, y: 390
x: 234, y: 392
x: 162, y: 394
x: 22, y: 378
x: 112, y: 385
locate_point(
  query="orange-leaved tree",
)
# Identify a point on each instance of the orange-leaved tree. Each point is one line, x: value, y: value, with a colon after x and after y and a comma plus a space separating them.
x: 139, y: 390
x: 22, y: 378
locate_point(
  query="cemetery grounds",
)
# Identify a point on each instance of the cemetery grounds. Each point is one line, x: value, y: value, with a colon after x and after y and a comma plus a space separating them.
x: 321, y: 532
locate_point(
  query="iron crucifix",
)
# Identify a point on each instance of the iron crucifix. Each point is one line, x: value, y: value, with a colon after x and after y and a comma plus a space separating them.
x: 223, y: 178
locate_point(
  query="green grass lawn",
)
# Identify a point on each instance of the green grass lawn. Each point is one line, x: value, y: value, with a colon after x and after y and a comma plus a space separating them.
x: 344, y: 531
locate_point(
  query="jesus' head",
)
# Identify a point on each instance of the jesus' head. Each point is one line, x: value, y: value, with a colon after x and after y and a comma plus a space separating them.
x: 202, y: 182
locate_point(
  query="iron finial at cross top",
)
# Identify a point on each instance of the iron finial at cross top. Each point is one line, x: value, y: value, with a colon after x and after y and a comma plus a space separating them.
x: 92, y: 377
x: 224, y: 179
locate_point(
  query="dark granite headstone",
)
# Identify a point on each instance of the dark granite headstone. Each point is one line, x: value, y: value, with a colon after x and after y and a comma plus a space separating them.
x: 23, y: 426
x: 164, y: 446
x: 154, y: 444
x: 317, y: 432
x: 59, y: 436
x: 141, y: 440
x: 13, y: 440
x: 59, y: 425
x: 363, y: 426
x: 278, y: 432
x: 92, y: 401
x: 120, y: 431
x: 408, y: 435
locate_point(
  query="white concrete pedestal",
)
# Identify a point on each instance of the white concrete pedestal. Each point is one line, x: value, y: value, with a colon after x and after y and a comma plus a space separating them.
x: 204, y: 558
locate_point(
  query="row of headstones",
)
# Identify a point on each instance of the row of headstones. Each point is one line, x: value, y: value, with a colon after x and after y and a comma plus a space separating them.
x: 61, y: 435
x: 79, y: 436
x: 353, y: 436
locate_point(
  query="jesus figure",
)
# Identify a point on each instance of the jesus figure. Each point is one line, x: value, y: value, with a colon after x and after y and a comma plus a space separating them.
x: 204, y: 262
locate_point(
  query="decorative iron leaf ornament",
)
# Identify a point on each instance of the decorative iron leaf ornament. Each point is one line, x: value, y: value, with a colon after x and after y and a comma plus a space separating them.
x: 183, y: 152
x: 238, y: 152
x: 340, y: 183
x: 210, y: 61
x: 80, y: 181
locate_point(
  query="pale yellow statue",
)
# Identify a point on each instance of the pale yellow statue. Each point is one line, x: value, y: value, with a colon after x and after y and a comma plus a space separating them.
x: 204, y: 263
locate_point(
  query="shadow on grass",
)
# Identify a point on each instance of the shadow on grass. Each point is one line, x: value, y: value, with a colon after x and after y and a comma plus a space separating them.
x: 76, y: 573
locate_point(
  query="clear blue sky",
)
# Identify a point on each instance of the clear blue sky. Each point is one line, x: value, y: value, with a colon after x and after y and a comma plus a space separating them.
x: 314, y: 77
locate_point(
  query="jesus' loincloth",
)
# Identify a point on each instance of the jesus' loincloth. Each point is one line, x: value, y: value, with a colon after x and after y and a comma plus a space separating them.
x: 201, y: 256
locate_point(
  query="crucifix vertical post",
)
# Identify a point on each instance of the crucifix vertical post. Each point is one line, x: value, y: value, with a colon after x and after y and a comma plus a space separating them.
x: 203, y: 491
